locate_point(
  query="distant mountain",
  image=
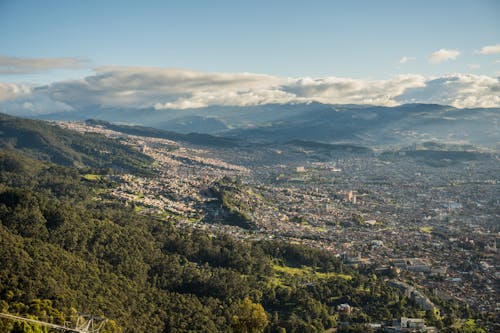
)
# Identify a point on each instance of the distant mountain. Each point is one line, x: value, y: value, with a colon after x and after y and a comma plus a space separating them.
x: 49, y: 142
x: 210, y: 120
x: 384, y: 126
x: 191, y: 124
x: 354, y: 124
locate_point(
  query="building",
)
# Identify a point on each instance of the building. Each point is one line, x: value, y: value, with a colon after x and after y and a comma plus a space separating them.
x: 300, y: 169
x: 417, y: 323
x: 409, y: 325
x: 350, y: 197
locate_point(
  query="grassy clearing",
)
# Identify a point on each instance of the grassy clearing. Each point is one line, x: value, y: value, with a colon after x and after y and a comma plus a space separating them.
x: 307, y: 272
x: 331, y: 275
x: 92, y: 177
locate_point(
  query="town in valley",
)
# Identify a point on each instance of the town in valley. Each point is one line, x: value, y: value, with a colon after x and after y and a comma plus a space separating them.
x: 427, y: 222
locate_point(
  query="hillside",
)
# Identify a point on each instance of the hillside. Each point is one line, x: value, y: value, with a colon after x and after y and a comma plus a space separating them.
x: 68, y: 246
x: 49, y: 142
x: 64, y: 246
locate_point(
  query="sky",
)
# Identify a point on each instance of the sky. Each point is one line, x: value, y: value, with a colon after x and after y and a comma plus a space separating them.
x: 64, y: 55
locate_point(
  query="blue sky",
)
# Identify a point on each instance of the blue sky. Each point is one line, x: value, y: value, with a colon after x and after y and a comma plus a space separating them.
x: 290, y: 39
x: 286, y: 38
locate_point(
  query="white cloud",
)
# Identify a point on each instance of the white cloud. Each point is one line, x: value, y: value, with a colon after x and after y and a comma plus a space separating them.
x: 334, y: 90
x: 459, y: 90
x: 405, y: 59
x: 13, y: 91
x: 143, y: 87
x: 15, y: 65
x: 24, y: 100
x: 235, y: 98
x: 119, y: 87
x: 474, y: 66
x: 490, y: 49
x: 443, y: 55
x: 182, y: 89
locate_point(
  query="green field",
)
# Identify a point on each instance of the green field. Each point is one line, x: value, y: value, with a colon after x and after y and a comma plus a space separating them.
x: 92, y: 177
x: 307, y: 272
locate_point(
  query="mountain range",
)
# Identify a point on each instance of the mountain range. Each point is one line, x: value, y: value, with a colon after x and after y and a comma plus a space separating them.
x: 374, y: 126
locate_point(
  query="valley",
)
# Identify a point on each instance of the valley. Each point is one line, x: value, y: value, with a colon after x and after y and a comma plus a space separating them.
x: 249, y: 166
x: 197, y: 229
x: 436, y: 225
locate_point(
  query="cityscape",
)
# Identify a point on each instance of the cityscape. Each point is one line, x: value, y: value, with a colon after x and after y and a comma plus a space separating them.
x: 249, y: 167
x: 360, y: 206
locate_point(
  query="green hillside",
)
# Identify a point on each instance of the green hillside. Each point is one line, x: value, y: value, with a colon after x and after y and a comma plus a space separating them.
x: 63, y: 246
x: 66, y: 246
x: 49, y: 142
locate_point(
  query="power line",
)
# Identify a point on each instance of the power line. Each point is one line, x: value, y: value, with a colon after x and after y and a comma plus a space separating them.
x: 83, y: 325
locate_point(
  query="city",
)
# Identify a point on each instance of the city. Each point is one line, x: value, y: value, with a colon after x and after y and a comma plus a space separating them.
x: 250, y: 166
x: 433, y: 227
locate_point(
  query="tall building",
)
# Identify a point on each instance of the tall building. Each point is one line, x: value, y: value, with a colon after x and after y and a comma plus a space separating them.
x: 350, y: 197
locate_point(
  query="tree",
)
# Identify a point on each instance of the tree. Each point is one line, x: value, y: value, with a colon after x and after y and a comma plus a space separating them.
x: 22, y: 327
x: 470, y: 326
x: 248, y: 317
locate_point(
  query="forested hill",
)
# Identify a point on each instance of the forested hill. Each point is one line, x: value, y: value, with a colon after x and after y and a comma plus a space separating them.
x: 66, y: 246
x: 49, y: 142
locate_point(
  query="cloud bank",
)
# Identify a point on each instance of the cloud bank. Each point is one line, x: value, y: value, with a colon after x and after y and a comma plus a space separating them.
x: 442, y: 55
x: 14, y: 65
x: 137, y: 87
x: 459, y: 90
x: 334, y: 90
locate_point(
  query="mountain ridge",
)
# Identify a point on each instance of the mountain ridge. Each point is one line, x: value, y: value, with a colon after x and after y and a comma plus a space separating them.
x: 367, y: 125
x: 52, y: 143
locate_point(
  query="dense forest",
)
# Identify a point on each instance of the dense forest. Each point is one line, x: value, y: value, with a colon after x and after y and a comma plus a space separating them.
x: 66, y: 248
